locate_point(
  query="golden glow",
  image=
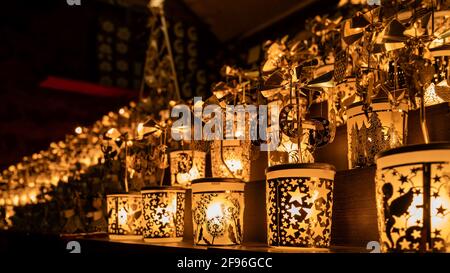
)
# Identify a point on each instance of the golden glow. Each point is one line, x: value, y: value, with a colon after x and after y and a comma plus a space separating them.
x: 122, y: 216
x: 140, y: 128
x: 217, y: 216
x: 78, y: 130
x: 235, y: 165
x: 214, y: 210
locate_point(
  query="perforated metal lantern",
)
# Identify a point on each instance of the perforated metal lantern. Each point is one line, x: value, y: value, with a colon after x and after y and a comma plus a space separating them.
x: 413, y: 198
x: 218, y: 211
x: 299, y: 200
x: 186, y: 166
x: 231, y: 158
x: 124, y: 216
x: 384, y: 128
x: 163, y: 214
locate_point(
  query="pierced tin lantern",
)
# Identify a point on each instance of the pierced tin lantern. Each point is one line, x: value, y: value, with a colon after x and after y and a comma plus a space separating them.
x: 186, y: 166
x: 218, y: 211
x: 413, y: 198
x: 384, y: 129
x: 231, y: 158
x: 124, y: 216
x: 163, y: 214
x: 299, y: 200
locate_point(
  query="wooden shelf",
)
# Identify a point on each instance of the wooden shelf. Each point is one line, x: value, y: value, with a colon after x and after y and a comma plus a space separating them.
x: 12, y: 242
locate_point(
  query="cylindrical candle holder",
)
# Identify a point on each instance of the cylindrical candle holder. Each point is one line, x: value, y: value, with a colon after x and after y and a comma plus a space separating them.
x: 384, y: 128
x: 124, y: 216
x: 186, y: 166
x: 299, y: 200
x: 218, y: 211
x: 413, y: 198
x: 163, y: 214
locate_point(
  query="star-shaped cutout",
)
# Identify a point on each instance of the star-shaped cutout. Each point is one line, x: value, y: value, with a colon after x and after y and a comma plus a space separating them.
x: 296, y: 196
x: 293, y: 183
x: 441, y: 210
x: 437, y: 232
x: 290, y: 231
x: 404, y: 244
x: 322, y: 191
x: 416, y: 234
x: 403, y: 179
x: 303, y: 226
x: 435, y: 194
x: 154, y: 228
x: 318, y: 230
x: 294, y: 210
x: 438, y: 245
x: 437, y: 178
x: 167, y: 230
x: 165, y: 219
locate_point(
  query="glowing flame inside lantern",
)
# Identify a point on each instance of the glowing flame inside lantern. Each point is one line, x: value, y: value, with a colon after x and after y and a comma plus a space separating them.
x: 234, y: 165
x: 214, y: 210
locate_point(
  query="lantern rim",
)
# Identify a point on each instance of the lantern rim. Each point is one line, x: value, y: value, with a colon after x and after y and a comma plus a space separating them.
x: 217, y: 179
x: 164, y: 187
x: 123, y: 194
x: 414, y: 148
x: 322, y: 166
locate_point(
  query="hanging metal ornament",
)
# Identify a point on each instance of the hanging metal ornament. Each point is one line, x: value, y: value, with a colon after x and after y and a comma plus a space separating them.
x: 322, y: 134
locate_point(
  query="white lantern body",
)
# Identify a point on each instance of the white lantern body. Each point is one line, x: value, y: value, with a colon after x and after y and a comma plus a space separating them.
x: 413, y: 198
x: 186, y: 166
x: 218, y: 211
x: 299, y: 200
x: 384, y: 129
x: 124, y: 216
x: 163, y: 214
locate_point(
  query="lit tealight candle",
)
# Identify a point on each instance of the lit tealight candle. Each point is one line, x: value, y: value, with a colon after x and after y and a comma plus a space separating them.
x: 217, y: 211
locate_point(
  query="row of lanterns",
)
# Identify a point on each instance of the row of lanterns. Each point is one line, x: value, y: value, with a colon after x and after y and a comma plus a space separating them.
x: 157, y: 214
x: 412, y: 190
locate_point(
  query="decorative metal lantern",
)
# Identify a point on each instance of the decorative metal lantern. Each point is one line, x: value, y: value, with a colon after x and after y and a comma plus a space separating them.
x: 186, y: 166
x: 299, y: 200
x: 384, y: 128
x: 413, y: 198
x: 291, y: 148
x: 124, y: 216
x: 231, y: 158
x: 218, y: 211
x: 163, y: 214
